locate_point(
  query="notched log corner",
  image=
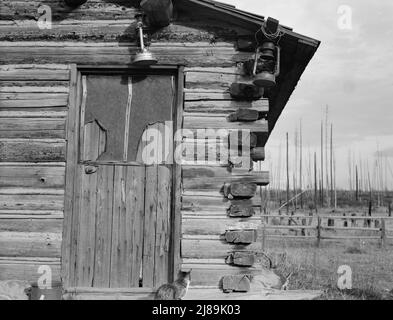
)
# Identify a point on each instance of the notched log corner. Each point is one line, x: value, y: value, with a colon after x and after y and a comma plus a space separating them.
x: 241, y: 237
x: 241, y: 259
x: 240, y: 190
x: 244, y: 115
x: 236, y: 283
x: 241, y: 211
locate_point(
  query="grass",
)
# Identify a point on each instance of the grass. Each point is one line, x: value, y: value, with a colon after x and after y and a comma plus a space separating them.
x: 316, y: 268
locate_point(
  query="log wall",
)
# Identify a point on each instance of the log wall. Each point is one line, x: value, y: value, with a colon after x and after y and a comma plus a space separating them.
x: 204, y: 209
x: 33, y: 110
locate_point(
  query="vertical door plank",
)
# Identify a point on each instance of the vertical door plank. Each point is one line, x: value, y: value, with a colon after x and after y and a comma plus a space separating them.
x: 120, y: 255
x: 86, y: 245
x: 162, y: 244
x: 103, y: 226
x: 135, y: 203
x: 118, y: 273
x: 149, y: 226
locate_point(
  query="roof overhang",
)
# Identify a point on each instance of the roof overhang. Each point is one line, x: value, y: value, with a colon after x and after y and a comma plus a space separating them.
x: 297, y: 49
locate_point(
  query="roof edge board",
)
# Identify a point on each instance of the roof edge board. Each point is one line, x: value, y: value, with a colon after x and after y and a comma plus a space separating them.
x: 252, y: 19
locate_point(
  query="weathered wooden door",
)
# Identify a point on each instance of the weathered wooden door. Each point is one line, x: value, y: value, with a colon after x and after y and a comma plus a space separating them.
x: 121, y: 212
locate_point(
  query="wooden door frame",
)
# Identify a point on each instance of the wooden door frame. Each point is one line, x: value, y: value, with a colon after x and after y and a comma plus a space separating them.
x: 73, y: 156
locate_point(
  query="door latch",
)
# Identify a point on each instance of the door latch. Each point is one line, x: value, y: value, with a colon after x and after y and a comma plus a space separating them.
x: 91, y: 169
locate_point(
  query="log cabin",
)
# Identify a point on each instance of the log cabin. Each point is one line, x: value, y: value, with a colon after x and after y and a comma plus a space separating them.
x: 75, y: 194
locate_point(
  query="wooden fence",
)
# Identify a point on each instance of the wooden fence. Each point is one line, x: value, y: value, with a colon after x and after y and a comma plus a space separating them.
x: 319, y: 227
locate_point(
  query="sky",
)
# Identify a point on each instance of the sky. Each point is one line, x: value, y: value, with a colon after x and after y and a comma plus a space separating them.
x: 351, y: 73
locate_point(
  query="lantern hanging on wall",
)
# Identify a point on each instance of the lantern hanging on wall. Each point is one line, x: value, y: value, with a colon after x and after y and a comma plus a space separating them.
x: 266, y: 65
x: 144, y: 57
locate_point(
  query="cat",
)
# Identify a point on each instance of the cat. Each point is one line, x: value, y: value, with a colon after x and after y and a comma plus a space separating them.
x: 176, y: 290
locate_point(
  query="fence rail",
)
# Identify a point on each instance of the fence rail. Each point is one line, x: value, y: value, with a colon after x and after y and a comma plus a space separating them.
x: 319, y: 228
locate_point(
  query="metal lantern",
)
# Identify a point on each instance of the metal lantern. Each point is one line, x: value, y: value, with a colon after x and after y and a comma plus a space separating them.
x: 144, y: 57
x: 268, y: 52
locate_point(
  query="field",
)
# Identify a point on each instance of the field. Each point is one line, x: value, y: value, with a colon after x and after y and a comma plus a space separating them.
x: 316, y: 267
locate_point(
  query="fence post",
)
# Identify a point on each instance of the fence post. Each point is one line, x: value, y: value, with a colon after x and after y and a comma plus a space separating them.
x: 319, y: 232
x: 383, y: 233
x: 263, y: 237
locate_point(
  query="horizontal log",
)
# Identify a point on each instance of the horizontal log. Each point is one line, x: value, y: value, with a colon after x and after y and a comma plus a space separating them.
x: 106, y: 22
x: 192, y: 201
x: 33, y: 74
x: 71, y: 30
x: 35, y: 113
x: 32, y: 150
x: 209, y: 272
x: 39, y: 103
x: 217, y: 179
x: 170, y: 53
x: 34, y: 89
x: 213, y: 277
x: 27, y: 67
x: 212, y: 248
x: 18, y: 86
x: 26, y: 269
x: 216, y: 226
x: 211, y: 150
x: 185, y: 162
x: 109, y: 294
x: 29, y: 244
x: 215, y: 78
x: 222, y: 264
x: 261, y: 293
x: 39, y: 213
x: 31, y: 224
x: 199, y: 100
x: 31, y: 191
x: 32, y: 96
x: 193, y: 172
x: 31, y: 202
x: 34, y: 176
x: 67, y: 9
x: 206, y: 121
x: 223, y: 211
x: 225, y: 107
x: 32, y: 128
